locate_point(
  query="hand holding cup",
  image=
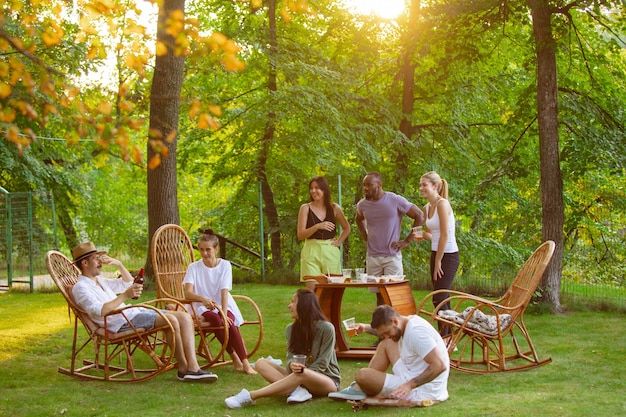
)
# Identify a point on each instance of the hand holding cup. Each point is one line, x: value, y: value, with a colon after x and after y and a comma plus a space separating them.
x: 299, y: 360
x: 418, y: 233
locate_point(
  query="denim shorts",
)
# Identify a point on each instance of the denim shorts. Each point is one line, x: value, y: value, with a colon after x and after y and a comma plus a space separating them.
x: 144, y: 319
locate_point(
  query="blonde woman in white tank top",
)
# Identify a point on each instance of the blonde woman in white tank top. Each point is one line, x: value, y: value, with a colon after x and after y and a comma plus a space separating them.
x: 440, y: 230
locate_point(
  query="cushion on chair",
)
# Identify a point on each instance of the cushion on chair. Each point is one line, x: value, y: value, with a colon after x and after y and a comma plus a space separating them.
x: 478, y: 321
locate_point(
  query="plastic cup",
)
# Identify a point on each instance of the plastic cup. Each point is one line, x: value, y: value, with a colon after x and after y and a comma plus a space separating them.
x: 300, y: 359
x: 350, y: 326
x: 418, y: 233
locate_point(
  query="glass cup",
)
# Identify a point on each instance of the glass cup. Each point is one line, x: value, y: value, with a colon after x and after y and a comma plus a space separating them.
x: 418, y: 233
x: 350, y: 326
x: 347, y: 274
x: 300, y: 359
x: 359, y: 272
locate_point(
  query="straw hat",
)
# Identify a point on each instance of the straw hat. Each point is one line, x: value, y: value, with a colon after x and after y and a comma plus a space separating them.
x: 83, y: 250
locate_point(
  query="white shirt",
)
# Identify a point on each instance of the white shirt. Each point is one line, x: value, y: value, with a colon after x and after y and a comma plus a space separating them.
x: 419, y: 339
x: 91, y: 297
x: 209, y: 282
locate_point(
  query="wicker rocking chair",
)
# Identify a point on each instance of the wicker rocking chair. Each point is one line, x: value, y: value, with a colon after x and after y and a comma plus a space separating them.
x: 172, y: 252
x: 129, y: 356
x: 490, y: 336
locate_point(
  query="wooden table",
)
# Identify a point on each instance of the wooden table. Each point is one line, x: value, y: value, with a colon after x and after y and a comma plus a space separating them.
x: 396, y: 294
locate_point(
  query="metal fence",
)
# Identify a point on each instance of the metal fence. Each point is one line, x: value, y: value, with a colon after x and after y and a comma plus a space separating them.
x: 27, y: 222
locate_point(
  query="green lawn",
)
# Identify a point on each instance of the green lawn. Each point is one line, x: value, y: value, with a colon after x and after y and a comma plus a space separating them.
x: 584, y: 379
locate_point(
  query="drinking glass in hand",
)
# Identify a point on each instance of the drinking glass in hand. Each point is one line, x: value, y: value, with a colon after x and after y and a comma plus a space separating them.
x: 300, y: 359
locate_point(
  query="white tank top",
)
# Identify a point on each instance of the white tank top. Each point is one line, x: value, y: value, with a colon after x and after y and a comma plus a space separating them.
x: 433, y: 224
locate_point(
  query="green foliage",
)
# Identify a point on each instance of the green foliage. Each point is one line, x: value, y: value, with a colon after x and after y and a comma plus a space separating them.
x: 337, y: 111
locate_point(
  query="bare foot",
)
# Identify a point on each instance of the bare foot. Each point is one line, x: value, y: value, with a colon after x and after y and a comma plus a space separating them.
x: 237, y: 362
x: 243, y: 366
x: 248, y: 370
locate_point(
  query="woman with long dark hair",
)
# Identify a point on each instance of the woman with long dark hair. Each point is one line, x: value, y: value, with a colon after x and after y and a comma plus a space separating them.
x: 317, y: 226
x: 311, y: 335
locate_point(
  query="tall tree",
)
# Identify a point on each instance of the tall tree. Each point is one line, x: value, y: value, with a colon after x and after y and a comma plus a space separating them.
x: 552, y: 218
x: 164, y: 114
x: 268, y: 139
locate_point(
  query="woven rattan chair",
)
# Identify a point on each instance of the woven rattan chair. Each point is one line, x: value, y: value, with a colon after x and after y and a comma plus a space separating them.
x: 172, y: 252
x: 130, y: 356
x: 490, y: 336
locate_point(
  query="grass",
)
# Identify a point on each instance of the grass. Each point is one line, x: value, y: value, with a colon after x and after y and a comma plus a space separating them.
x: 585, y: 377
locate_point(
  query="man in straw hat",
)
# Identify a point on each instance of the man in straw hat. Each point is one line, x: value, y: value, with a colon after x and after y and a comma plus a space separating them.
x: 99, y: 296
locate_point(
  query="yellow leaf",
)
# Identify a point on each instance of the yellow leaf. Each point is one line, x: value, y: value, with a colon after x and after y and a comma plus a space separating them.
x: 230, y: 47
x: 194, y: 109
x: 155, y: 134
x: 27, y: 110
x: 31, y: 134
x: 172, y: 135
x: 135, y: 124
x: 217, y: 38
x: 46, y: 87
x: 161, y: 49
x: 231, y: 63
x: 105, y: 107
x: 86, y: 24
x: 12, y: 134
x: 284, y: 13
x: 122, y: 140
x: 5, y: 90
x: 203, y: 121
x: 52, y: 35
x: 50, y: 109
x: 4, y: 67
x: 155, y: 161
x: 206, y: 121
x: 216, y: 110
x: 7, y: 116
x: 92, y: 53
x: 137, y: 155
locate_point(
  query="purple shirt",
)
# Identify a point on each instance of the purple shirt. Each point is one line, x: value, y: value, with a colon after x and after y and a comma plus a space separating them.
x: 383, y: 222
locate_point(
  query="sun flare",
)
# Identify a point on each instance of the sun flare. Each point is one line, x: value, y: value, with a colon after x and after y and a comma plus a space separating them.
x: 387, y: 9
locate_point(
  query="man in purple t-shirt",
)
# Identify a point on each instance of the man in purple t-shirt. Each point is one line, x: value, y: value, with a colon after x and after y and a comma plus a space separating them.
x: 379, y: 219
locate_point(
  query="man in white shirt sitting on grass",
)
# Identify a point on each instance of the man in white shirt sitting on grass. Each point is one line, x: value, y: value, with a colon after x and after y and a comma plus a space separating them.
x: 417, y: 353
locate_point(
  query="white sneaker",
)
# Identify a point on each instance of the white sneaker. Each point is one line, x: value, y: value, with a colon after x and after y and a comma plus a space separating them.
x: 240, y: 400
x: 269, y: 358
x: 299, y: 395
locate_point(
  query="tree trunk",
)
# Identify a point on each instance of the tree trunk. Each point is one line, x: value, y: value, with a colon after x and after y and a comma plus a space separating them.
x: 409, y: 46
x: 164, y: 108
x: 551, y: 180
x: 67, y: 225
x: 268, y: 137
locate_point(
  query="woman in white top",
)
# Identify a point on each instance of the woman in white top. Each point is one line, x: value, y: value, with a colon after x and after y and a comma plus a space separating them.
x: 440, y: 230
x: 208, y: 283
